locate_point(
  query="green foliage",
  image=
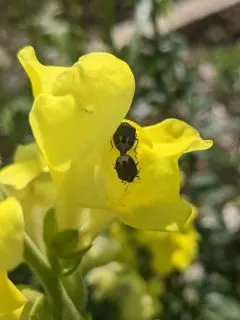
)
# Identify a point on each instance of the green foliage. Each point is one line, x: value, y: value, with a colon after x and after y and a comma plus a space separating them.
x: 50, y: 227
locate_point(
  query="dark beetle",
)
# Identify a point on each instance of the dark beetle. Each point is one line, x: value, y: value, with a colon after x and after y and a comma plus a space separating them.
x: 126, y: 168
x: 124, y: 137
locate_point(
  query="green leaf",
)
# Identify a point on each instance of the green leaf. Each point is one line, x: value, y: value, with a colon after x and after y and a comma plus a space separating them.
x: 50, y: 226
x: 64, y: 243
x: 70, y: 263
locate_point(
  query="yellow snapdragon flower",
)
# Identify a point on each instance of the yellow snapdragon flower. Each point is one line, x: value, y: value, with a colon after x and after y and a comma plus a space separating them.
x: 171, y: 251
x: 75, y: 113
x: 28, y: 180
x: 11, y: 249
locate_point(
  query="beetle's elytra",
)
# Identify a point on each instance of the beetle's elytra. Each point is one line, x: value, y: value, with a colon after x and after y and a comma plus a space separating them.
x: 124, y: 137
x: 126, y: 168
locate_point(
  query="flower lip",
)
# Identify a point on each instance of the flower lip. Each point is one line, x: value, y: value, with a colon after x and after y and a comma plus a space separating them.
x: 153, y: 202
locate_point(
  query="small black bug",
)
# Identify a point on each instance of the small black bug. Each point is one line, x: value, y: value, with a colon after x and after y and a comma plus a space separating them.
x: 124, y: 137
x: 126, y: 168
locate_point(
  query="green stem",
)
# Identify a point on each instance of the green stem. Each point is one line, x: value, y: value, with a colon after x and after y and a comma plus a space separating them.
x: 59, y: 298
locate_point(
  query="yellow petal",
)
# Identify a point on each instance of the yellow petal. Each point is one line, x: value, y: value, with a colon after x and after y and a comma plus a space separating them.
x: 186, y: 246
x: 152, y: 200
x: 28, y: 164
x: 11, y: 299
x: 175, y: 137
x: 29, y: 152
x: 36, y: 199
x: 11, y: 234
x: 26, y: 152
x: 41, y: 77
x: 19, y: 175
x: 74, y: 123
x: 180, y: 260
x: 161, y: 247
x: 158, y: 217
x: 54, y: 122
x: 170, y: 251
x: 89, y: 222
x: 94, y: 220
x: 15, y: 315
x: 162, y: 259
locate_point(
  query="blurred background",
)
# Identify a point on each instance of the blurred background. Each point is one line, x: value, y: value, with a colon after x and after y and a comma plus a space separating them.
x: 185, y: 56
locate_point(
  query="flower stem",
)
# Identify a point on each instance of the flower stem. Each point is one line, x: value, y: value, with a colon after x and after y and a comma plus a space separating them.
x: 59, y: 299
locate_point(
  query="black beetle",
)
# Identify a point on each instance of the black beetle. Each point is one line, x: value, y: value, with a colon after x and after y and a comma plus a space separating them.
x: 124, y: 137
x: 126, y: 168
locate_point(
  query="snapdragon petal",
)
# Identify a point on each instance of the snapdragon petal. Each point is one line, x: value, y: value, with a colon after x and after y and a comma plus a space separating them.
x: 159, y: 217
x: 88, y: 221
x: 19, y: 175
x: 55, y: 124
x: 26, y: 152
x: 15, y: 315
x: 11, y: 299
x: 27, y: 165
x: 186, y: 246
x: 31, y: 186
x: 94, y: 220
x: 73, y: 124
x: 161, y: 248
x: 175, y: 137
x: 29, y: 152
x: 11, y: 234
x: 162, y: 252
x: 152, y: 201
x: 42, y: 77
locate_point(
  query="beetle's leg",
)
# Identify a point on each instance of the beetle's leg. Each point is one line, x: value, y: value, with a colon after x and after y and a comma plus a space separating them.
x: 111, y: 144
x: 135, y: 149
